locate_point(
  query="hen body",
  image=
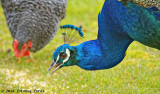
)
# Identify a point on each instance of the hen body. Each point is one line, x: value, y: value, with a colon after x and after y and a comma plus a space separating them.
x: 34, y: 20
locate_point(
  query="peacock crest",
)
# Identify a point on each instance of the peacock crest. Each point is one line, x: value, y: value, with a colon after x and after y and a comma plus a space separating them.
x: 71, y: 33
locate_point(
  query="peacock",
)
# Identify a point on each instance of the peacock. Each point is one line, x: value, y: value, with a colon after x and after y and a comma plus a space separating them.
x: 33, y: 23
x: 119, y: 25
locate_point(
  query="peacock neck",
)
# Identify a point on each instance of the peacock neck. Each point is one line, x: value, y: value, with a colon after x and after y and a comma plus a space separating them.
x: 110, y: 47
x: 102, y: 54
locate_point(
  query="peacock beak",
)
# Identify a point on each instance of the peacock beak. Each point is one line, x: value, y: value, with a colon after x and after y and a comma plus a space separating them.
x: 55, y: 65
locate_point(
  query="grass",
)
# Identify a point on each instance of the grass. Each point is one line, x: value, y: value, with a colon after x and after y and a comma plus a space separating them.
x: 139, y: 72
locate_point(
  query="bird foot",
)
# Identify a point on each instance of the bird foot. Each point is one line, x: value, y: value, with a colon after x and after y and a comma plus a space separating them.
x: 19, y: 60
x: 31, y: 60
x: 28, y: 59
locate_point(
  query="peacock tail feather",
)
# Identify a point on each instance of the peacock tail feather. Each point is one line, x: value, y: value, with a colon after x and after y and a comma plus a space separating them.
x: 145, y: 3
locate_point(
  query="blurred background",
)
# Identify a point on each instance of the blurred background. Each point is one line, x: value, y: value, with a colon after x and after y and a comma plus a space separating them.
x: 139, y: 72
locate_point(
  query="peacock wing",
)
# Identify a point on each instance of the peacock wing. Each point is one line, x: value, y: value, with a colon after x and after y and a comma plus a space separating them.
x: 151, y: 5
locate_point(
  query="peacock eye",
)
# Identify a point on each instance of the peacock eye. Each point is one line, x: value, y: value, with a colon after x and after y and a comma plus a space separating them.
x: 63, y: 55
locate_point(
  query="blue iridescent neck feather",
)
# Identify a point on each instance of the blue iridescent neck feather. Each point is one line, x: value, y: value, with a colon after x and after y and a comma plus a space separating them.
x: 118, y: 26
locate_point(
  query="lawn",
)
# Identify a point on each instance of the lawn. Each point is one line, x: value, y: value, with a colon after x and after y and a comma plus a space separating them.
x: 139, y: 72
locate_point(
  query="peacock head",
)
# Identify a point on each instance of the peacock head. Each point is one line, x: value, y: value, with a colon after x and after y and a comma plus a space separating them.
x: 66, y: 55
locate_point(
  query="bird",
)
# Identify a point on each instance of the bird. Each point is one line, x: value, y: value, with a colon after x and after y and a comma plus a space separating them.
x: 33, y: 23
x: 119, y: 25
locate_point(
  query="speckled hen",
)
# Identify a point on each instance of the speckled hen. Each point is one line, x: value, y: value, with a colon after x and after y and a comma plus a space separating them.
x: 33, y: 23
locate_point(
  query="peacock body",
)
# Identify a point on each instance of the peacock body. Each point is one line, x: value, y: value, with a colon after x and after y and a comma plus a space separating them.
x: 119, y: 25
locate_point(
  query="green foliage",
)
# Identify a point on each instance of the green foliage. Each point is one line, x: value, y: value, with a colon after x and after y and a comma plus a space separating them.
x: 139, y: 72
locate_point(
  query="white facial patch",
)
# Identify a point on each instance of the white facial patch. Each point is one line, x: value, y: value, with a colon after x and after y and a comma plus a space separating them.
x: 57, y: 58
x: 68, y: 55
